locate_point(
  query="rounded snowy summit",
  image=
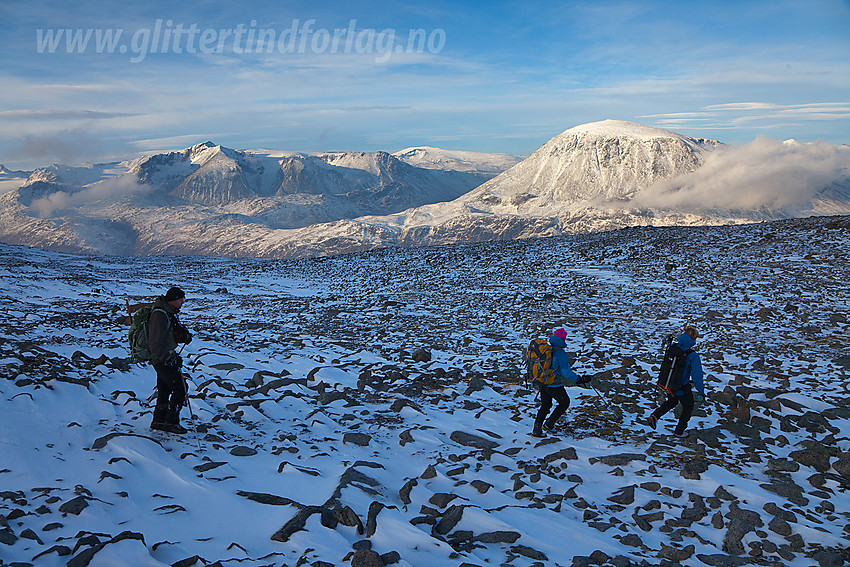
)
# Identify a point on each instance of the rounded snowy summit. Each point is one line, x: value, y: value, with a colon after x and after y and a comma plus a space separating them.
x: 621, y: 129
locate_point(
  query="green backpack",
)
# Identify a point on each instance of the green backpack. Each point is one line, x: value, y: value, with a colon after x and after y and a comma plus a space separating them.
x: 138, y: 336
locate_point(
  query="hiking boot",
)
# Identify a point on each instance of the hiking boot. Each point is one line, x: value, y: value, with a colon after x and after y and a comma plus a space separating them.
x: 537, y: 431
x: 548, y: 425
x: 174, y: 428
x: 158, y: 425
x: 682, y: 435
x: 652, y: 421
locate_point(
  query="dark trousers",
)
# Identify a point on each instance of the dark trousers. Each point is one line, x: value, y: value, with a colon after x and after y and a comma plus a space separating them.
x: 547, y: 394
x: 171, y: 393
x: 687, y: 401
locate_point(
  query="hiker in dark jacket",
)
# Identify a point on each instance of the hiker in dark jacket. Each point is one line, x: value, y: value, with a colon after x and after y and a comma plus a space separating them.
x: 556, y: 391
x: 164, y: 332
x: 692, y: 375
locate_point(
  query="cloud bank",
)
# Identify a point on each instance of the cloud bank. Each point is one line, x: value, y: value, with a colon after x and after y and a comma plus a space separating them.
x: 102, y: 193
x: 764, y: 174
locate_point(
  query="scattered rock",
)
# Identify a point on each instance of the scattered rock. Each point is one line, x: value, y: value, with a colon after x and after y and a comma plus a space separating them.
x: 442, y: 499
x: 529, y: 552
x: 618, y: 460
x: 782, y: 465
x: 498, y: 537
x: 632, y: 540
x: 720, y: 560
x: 476, y: 384
x: 404, y: 491
x: 372, y: 518
x: 74, y: 506
x: 242, y: 451
x: 842, y: 465
x: 567, y: 454
x: 693, y: 468
x: 366, y: 558
x: 626, y: 495
x: 421, y: 355
x: 675, y: 553
x: 828, y: 558
x: 354, y: 438
x: 449, y: 520
x: 469, y: 440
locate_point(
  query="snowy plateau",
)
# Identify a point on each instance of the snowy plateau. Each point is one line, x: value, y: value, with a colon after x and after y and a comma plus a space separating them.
x: 210, y: 200
x: 369, y: 409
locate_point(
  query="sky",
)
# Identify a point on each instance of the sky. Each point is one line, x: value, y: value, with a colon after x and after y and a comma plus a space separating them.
x: 355, y: 76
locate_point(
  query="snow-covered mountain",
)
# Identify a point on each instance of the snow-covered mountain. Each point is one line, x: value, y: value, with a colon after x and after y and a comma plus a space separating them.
x: 456, y: 160
x: 370, y: 410
x: 210, y: 200
x: 121, y: 207
x: 589, y: 164
x: 12, y: 179
x: 6, y: 173
x: 613, y: 174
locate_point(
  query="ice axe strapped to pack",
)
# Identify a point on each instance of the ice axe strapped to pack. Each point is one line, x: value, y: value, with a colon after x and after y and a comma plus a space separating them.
x: 672, y: 367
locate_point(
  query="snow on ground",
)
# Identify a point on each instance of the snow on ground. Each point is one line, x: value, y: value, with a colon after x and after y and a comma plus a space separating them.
x: 370, y: 409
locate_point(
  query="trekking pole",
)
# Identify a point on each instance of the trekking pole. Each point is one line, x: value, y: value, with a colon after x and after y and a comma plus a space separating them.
x: 194, y: 423
x: 604, y: 401
x: 191, y: 413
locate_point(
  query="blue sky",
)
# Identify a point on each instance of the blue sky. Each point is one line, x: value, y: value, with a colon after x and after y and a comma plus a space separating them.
x: 495, y: 77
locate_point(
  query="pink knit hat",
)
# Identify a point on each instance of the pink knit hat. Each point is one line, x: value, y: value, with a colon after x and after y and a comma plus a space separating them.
x: 561, y: 333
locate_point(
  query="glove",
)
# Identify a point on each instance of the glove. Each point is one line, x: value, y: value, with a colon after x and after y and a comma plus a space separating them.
x: 175, y: 361
x: 582, y: 380
x: 698, y: 398
x: 182, y: 334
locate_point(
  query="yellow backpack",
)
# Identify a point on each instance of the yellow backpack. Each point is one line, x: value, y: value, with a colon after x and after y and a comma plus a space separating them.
x: 538, y: 361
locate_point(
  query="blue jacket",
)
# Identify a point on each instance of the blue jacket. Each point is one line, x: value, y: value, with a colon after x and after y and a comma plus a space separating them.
x: 561, y: 364
x: 693, y: 367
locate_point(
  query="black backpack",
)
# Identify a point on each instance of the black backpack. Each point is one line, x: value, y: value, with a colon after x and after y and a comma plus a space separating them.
x: 672, y: 367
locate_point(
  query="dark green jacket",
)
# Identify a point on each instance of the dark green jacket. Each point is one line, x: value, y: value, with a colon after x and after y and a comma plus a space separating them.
x: 161, y: 339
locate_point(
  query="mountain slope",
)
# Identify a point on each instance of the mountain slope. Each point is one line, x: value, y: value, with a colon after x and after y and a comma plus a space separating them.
x: 592, y: 163
x: 376, y: 402
x: 454, y: 160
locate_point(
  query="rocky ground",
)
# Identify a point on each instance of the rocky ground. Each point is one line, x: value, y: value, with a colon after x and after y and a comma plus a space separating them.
x: 370, y: 409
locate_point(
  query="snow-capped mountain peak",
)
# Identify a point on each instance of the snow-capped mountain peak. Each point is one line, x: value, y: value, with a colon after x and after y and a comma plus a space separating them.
x: 600, y: 161
x: 457, y: 160
x: 620, y: 129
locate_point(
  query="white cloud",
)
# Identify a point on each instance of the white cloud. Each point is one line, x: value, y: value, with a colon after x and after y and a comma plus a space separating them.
x: 763, y: 173
x: 102, y: 193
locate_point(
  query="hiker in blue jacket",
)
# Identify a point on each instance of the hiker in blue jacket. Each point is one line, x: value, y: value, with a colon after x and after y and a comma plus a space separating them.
x: 692, y: 375
x: 563, y: 375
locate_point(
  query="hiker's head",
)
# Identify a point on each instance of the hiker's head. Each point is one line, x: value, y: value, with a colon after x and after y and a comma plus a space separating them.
x: 692, y: 332
x: 561, y: 333
x: 175, y: 297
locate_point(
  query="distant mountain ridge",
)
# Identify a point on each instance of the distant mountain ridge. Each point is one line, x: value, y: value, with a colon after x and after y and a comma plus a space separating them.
x: 110, y: 208
x: 452, y: 160
x: 211, y: 200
